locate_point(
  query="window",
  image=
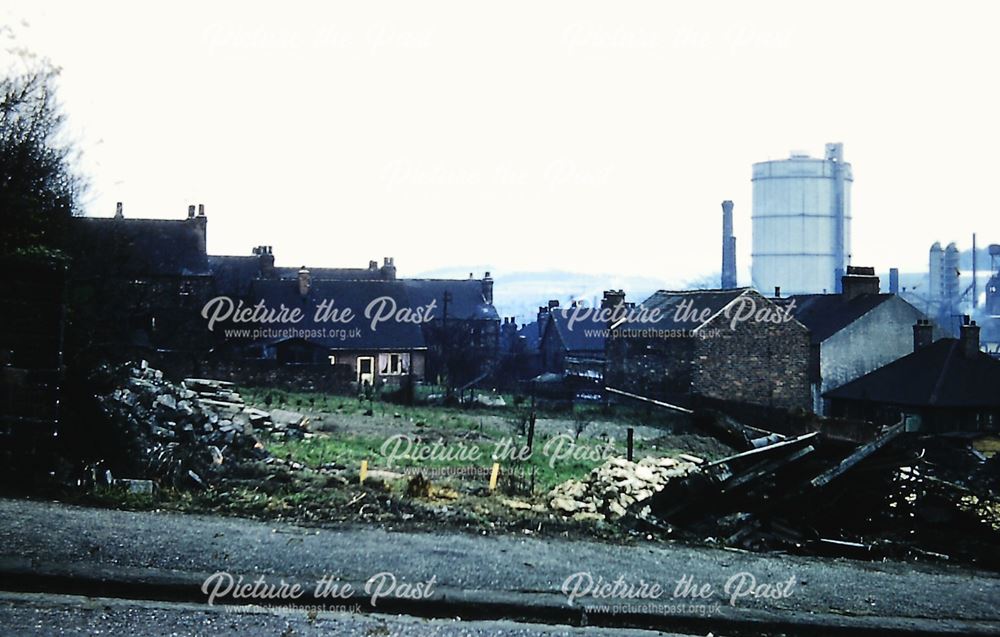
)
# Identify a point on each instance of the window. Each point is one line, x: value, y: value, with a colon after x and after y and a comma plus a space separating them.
x: 393, y: 364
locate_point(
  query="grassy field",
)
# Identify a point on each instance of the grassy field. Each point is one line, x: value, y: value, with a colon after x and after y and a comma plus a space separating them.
x: 350, y: 451
x: 483, y: 432
x: 315, y: 479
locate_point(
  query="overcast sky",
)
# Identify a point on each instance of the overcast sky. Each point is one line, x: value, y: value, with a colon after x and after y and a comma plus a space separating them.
x: 591, y: 137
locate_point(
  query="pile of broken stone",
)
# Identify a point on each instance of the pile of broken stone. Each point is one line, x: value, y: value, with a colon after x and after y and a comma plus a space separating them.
x: 610, y: 489
x: 185, y: 435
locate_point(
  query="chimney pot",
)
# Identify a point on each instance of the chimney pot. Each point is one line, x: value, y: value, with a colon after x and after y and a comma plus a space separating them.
x: 305, y: 281
x: 201, y: 210
x: 119, y: 213
x: 191, y: 211
x: 777, y: 291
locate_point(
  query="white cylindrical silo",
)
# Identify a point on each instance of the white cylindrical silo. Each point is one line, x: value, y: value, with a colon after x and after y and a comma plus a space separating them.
x: 801, y: 223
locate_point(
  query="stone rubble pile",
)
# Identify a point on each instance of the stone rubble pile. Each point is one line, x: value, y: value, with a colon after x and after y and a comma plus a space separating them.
x: 182, y: 435
x: 221, y: 396
x: 610, y: 489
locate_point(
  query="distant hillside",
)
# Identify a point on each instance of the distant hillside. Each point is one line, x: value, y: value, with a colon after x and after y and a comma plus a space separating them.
x: 519, y: 294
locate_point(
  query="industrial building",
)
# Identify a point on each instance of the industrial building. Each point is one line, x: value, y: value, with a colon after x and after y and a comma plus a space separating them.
x: 801, y: 223
x: 728, y: 247
x: 943, y: 289
x: 993, y: 286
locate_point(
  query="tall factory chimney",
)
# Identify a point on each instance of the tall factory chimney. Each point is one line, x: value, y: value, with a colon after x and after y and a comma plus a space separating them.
x: 728, y: 247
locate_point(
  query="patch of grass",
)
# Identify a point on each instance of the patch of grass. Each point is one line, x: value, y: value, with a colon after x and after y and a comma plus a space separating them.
x: 550, y: 470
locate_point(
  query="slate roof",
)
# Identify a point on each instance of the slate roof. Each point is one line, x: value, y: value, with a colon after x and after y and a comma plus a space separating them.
x: 938, y: 375
x: 586, y: 335
x: 672, y: 318
x: 467, y: 300
x: 826, y: 314
x: 332, y: 274
x: 105, y: 246
x: 357, y: 295
x: 529, y: 332
x: 234, y: 275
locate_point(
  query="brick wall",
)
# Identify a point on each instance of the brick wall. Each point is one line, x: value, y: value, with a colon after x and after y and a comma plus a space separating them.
x: 759, y: 363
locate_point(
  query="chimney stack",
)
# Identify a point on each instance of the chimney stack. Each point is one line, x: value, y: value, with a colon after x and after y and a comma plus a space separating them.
x: 893, y: 280
x: 305, y: 281
x: 612, y: 299
x: 119, y: 213
x: 858, y: 281
x: 265, y: 259
x: 969, y: 338
x: 728, y: 247
x: 923, y: 334
x: 488, y: 289
x: 541, y: 319
x: 389, y: 268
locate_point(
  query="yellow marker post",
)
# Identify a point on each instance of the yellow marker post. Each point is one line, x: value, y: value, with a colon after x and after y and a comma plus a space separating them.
x: 494, y: 475
x: 364, y: 470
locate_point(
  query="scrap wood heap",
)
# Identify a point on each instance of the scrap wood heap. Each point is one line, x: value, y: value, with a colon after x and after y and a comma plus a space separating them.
x: 820, y: 493
x: 185, y: 435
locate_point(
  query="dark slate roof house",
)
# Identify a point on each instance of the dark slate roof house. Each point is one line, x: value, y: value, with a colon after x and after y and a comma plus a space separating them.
x: 234, y: 274
x: 573, y: 340
x: 387, y: 272
x: 468, y: 299
x: 371, y: 351
x: 950, y: 384
x: 583, y: 337
x: 853, y: 332
x: 827, y: 314
x: 116, y: 246
x: 144, y: 281
x: 358, y: 296
x: 686, y: 309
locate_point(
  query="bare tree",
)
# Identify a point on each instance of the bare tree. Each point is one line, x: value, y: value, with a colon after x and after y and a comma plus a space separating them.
x: 39, y: 188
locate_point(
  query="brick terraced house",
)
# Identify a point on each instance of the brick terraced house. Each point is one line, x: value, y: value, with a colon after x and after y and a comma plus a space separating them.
x: 733, y: 345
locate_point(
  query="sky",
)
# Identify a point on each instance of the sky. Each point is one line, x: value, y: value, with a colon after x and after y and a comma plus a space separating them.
x: 588, y: 137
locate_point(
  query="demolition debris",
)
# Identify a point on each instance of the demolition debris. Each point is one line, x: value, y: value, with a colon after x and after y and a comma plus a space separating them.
x: 610, y: 489
x: 186, y: 435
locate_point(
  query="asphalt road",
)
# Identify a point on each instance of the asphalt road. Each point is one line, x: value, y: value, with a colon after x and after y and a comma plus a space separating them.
x: 479, y: 577
x: 31, y: 615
